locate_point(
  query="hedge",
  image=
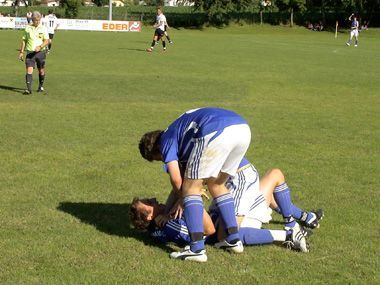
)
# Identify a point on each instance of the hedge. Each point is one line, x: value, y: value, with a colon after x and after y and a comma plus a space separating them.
x: 188, y: 17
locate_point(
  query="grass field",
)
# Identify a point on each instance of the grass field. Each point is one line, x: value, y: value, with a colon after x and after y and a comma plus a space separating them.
x: 69, y: 162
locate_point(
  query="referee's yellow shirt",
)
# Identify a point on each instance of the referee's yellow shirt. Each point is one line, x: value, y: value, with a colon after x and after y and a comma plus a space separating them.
x: 34, y: 36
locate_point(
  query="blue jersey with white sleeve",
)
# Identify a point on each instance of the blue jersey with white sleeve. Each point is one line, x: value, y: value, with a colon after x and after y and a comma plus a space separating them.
x: 174, y: 231
x: 177, y: 141
x: 354, y: 24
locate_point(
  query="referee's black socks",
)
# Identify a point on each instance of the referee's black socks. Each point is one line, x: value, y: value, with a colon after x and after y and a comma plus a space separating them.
x: 42, y: 79
x: 29, y: 81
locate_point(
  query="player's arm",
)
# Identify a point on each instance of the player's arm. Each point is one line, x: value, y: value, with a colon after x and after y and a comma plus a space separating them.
x: 175, y: 209
x: 45, y: 42
x: 172, y: 199
x: 175, y: 175
x: 22, y: 48
x: 349, y: 18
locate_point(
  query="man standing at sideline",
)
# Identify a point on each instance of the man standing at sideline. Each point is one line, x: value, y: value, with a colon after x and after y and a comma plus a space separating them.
x: 34, y: 41
x: 51, y: 21
x: 354, y: 30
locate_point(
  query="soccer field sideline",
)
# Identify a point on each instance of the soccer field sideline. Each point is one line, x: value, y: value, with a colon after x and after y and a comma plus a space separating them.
x: 70, y: 163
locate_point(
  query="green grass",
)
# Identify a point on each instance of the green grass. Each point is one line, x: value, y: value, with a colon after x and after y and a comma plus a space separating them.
x: 70, y: 164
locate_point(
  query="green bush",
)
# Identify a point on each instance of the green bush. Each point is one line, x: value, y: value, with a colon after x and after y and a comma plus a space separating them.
x: 71, y: 8
x: 189, y: 17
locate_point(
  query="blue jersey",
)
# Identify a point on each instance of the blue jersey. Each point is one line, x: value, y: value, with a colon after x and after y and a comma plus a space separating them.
x: 177, y: 141
x: 174, y: 231
x: 243, y: 162
x: 354, y: 24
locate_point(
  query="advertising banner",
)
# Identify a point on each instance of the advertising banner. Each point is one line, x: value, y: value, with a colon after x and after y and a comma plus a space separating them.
x: 7, y: 22
x: 77, y: 24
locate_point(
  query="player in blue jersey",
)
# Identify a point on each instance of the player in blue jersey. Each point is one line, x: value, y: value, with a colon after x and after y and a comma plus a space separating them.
x: 354, y: 30
x: 148, y: 214
x: 202, y: 145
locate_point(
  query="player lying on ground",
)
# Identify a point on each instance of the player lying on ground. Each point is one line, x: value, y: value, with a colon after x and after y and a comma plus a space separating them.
x: 202, y: 145
x: 148, y: 214
x: 251, y: 195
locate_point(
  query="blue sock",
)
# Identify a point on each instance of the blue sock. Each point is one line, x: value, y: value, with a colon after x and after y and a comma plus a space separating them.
x: 252, y: 236
x: 282, y: 195
x: 193, y: 212
x: 226, y: 206
x: 278, y: 210
x: 297, y: 212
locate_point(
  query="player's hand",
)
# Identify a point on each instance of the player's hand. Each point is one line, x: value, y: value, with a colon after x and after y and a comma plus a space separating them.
x: 177, y: 210
x: 204, y: 194
x: 37, y: 49
x: 21, y: 56
x: 161, y: 220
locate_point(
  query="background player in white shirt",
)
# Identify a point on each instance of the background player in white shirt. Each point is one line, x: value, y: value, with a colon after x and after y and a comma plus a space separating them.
x: 51, y: 22
x: 354, y: 30
x: 160, y: 30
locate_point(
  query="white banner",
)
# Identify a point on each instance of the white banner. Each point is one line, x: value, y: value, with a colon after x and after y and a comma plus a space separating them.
x: 7, y: 22
x: 77, y: 24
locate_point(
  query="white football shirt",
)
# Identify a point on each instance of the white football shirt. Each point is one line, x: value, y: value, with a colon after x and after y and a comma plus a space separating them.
x: 51, y: 23
x: 161, y: 20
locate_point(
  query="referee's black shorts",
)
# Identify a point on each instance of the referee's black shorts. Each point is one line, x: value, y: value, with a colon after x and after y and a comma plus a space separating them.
x: 35, y: 57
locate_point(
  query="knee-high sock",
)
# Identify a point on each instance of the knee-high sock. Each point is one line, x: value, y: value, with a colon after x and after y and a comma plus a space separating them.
x: 193, y: 212
x: 284, y: 201
x: 252, y: 236
x: 226, y: 206
x: 29, y: 81
x: 41, y: 79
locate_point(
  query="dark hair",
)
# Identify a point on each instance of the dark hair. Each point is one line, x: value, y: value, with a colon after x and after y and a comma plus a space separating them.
x: 138, y: 218
x: 50, y: 11
x: 149, y: 145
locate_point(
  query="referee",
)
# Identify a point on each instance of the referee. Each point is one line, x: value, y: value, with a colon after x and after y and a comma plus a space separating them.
x: 34, y: 42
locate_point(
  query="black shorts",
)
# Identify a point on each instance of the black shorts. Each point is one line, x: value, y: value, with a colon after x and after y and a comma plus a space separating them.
x: 51, y: 36
x: 35, y: 57
x: 159, y: 33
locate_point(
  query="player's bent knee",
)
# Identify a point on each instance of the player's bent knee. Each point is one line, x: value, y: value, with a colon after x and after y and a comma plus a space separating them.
x: 277, y: 174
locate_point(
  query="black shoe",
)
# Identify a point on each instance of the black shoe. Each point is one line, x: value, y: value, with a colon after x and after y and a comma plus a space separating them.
x: 27, y: 92
x: 311, y: 219
x: 40, y: 89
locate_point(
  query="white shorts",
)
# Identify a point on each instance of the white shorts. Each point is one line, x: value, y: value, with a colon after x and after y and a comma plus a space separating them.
x: 210, y: 155
x: 354, y: 33
x: 249, y: 201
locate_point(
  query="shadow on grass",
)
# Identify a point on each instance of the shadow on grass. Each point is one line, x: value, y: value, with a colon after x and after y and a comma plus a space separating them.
x: 134, y: 49
x: 13, y: 89
x: 110, y: 218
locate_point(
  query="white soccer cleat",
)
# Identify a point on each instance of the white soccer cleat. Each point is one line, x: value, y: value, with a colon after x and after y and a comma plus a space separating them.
x: 236, y: 247
x: 297, y: 239
x: 348, y: 44
x: 187, y: 254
